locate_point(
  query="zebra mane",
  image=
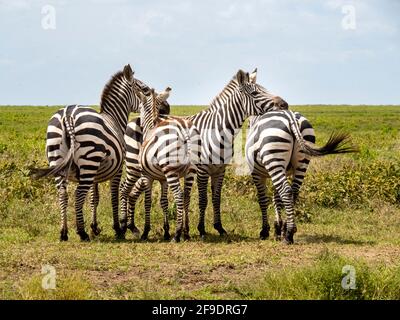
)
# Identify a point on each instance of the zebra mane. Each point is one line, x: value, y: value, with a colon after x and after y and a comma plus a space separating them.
x: 142, y: 86
x: 232, y: 85
x: 154, y: 110
x: 109, y: 86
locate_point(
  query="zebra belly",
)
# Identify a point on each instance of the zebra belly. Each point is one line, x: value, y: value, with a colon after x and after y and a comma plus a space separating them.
x: 212, y: 169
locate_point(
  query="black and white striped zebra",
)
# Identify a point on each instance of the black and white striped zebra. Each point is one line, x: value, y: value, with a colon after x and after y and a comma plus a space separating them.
x: 218, y: 125
x: 87, y: 147
x: 133, y: 140
x: 279, y: 144
x: 170, y: 151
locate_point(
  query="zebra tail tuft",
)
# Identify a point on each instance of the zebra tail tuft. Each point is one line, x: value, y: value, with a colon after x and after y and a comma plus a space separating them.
x: 37, y: 173
x: 338, y: 142
x: 59, y: 170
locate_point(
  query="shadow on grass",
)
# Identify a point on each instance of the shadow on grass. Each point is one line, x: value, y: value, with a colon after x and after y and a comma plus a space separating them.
x: 157, y: 238
x: 128, y: 239
x: 231, y: 238
x: 323, y: 238
x: 228, y: 238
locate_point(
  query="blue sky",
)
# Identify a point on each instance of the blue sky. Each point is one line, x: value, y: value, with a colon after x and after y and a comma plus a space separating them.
x: 301, y: 48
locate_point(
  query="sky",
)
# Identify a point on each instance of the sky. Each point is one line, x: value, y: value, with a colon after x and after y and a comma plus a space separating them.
x: 308, y: 52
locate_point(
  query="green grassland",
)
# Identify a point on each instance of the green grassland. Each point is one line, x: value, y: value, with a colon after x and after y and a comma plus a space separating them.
x: 348, y: 214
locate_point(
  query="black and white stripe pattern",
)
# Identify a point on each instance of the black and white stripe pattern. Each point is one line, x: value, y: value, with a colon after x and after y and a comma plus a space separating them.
x: 87, y: 147
x: 218, y: 125
x: 133, y: 140
x: 170, y: 151
x: 279, y: 144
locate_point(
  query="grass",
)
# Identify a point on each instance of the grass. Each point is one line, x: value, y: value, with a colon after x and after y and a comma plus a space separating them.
x: 349, y: 214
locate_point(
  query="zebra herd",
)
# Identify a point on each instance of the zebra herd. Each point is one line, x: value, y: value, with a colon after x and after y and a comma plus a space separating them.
x: 89, y: 147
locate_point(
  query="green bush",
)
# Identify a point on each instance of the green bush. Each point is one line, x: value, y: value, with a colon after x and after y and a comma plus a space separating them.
x: 355, y: 184
x: 323, y: 281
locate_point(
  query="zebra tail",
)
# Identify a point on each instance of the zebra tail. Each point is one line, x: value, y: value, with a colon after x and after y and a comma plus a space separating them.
x: 339, y: 142
x: 63, y: 167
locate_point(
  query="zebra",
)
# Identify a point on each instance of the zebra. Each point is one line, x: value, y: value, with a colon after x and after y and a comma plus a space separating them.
x: 133, y: 138
x: 170, y: 151
x: 279, y: 143
x: 87, y: 147
x: 217, y: 125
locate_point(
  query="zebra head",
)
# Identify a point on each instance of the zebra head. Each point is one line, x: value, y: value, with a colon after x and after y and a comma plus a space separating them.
x: 151, y: 103
x: 134, y: 102
x: 140, y: 86
x: 258, y: 99
x: 118, y: 98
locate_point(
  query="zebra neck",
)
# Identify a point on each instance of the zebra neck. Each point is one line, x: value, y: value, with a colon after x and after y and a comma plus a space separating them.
x: 147, y: 125
x: 116, y: 117
x: 225, y: 116
x: 117, y: 130
x: 149, y: 117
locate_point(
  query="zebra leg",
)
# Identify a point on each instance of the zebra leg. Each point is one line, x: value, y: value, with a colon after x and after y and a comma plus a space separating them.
x: 216, y: 188
x: 173, y: 183
x: 164, y: 206
x: 299, y: 175
x: 137, y: 190
x: 94, y: 202
x: 259, y: 181
x: 126, y: 188
x: 286, y: 195
x: 202, y: 182
x: 278, y: 205
x: 114, y: 189
x: 61, y: 184
x: 189, y: 179
x: 147, y: 207
x: 80, y: 195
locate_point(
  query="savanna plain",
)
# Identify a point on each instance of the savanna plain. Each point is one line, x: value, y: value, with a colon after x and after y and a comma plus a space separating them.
x: 348, y: 215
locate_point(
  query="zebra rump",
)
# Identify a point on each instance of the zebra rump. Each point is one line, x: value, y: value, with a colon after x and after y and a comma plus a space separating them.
x: 63, y: 167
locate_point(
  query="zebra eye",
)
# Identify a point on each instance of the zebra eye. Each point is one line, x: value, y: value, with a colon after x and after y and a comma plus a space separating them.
x: 254, y: 93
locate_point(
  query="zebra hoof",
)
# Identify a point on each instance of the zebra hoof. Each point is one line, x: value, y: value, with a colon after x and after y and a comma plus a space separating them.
x: 288, y: 240
x: 84, y: 236
x: 186, y: 237
x: 289, y: 234
x: 64, y: 235
x: 278, y: 230
x: 176, y: 239
x: 120, y: 236
x: 95, y: 229
x: 264, y: 233
x: 123, y: 226
x: 134, y: 230
x: 145, y: 236
x: 220, y: 229
x: 202, y: 230
x: 167, y: 236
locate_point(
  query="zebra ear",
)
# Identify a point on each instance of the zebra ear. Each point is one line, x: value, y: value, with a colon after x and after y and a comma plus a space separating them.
x: 128, y: 73
x: 163, y: 96
x: 242, y: 77
x: 253, y: 76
